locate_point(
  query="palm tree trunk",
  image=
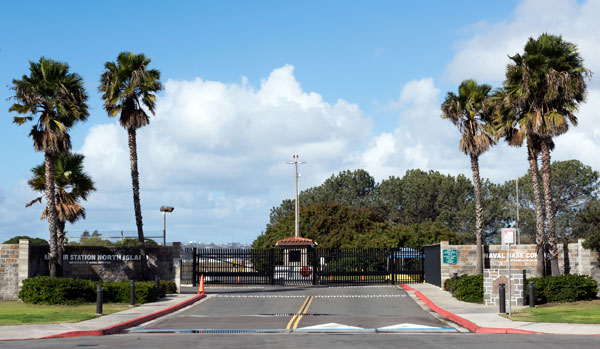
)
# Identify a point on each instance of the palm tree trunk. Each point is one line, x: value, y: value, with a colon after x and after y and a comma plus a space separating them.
x: 135, y: 183
x: 550, y: 229
x: 539, y: 211
x: 478, y: 213
x: 51, y: 208
x: 60, y: 242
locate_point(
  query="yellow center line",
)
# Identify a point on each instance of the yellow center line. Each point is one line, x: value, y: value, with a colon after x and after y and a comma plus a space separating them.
x: 289, y: 325
x: 303, y: 312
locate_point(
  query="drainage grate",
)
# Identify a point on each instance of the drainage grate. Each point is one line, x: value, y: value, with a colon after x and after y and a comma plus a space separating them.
x: 212, y: 330
x: 294, y: 314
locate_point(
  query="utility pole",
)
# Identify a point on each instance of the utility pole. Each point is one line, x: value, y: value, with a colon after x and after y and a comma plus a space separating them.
x: 295, y: 161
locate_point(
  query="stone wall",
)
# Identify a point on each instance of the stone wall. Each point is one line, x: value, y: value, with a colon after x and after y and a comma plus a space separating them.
x: 18, y: 262
x: 492, y: 278
x: 572, y: 259
x: 9, y: 271
x: 13, y: 269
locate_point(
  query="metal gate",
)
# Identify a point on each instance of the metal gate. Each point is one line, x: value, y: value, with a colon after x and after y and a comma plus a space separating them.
x: 433, y: 266
x: 305, y: 266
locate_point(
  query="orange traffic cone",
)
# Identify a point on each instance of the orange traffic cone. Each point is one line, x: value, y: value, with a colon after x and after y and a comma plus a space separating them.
x: 239, y: 279
x: 201, y: 287
x: 362, y: 277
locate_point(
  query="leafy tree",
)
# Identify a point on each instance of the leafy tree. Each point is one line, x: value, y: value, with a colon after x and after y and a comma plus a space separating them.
x: 331, y: 225
x: 72, y: 186
x: 468, y: 112
x: 548, y: 83
x: 128, y: 86
x: 32, y: 241
x: 130, y: 242
x: 340, y: 226
x: 350, y: 188
x: 587, y: 224
x: 573, y: 185
x: 57, y: 99
x: 418, y: 234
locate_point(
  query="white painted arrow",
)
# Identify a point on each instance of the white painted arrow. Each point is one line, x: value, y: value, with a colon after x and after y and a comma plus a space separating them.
x: 331, y: 326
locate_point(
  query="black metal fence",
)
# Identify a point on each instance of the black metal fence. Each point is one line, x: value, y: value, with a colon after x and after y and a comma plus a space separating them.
x: 302, y: 266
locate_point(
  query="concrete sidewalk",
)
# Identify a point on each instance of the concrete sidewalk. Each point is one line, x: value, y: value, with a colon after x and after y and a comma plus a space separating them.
x: 481, y: 318
x: 103, y: 325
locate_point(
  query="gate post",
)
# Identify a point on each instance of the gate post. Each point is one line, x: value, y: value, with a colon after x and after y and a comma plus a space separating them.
x: 315, y: 264
x: 422, y: 252
x: 194, y: 267
x: 272, y: 266
x: 393, y: 266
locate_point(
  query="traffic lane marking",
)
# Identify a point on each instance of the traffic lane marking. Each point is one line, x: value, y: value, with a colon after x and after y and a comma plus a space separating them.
x: 303, y: 312
x: 296, y: 314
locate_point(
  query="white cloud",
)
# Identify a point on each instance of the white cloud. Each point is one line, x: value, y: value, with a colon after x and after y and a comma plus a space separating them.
x: 217, y: 153
x: 484, y: 54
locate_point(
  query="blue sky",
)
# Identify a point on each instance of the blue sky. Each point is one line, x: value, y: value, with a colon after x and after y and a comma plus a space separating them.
x: 344, y: 84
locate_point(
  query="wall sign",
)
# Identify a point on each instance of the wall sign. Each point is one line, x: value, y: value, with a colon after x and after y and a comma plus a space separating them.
x: 450, y: 256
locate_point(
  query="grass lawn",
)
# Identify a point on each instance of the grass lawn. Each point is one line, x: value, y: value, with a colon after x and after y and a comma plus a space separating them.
x: 18, y: 313
x: 585, y: 312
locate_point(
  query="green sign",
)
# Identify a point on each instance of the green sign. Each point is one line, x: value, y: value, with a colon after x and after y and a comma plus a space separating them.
x: 450, y: 256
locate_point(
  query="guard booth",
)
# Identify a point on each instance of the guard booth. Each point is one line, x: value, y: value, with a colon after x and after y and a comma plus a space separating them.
x: 294, y: 263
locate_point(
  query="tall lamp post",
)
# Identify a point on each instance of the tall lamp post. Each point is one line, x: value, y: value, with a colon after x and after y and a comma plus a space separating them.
x: 164, y: 210
x: 296, y: 161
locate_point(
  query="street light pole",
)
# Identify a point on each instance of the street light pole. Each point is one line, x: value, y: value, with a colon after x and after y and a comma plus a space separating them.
x: 296, y: 161
x: 518, y: 231
x: 164, y: 210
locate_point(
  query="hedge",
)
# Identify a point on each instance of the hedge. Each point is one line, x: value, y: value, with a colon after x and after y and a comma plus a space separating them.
x: 467, y: 288
x: 47, y: 290
x: 563, y: 288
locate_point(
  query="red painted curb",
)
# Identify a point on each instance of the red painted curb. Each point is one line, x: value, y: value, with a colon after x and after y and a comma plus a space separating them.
x: 466, y: 323
x: 406, y: 287
x: 123, y: 325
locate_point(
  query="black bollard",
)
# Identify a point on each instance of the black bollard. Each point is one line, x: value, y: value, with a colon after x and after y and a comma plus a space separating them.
x: 524, y: 285
x: 99, y: 299
x: 531, y: 295
x: 502, y: 301
x: 454, y: 278
x: 131, y: 292
x: 157, y: 284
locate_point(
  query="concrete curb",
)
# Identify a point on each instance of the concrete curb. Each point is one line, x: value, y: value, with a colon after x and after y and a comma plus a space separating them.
x: 461, y: 321
x: 123, y: 325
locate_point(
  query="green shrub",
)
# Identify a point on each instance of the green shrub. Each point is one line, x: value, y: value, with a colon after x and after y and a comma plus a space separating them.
x: 169, y: 287
x: 449, y: 284
x: 469, y: 288
x: 32, y: 241
x: 118, y: 292
x: 563, y: 288
x: 46, y: 290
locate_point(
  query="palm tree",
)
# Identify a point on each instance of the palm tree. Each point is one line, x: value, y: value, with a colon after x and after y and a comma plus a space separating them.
x: 468, y: 111
x: 56, y: 99
x: 548, y: 83
x: 72, y: 186
x: 128, y: 86
x: 512, y: 124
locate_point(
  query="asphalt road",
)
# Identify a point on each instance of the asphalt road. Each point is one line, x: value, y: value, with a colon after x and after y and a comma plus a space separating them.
x: 330, y: 341
x: 307, y: 308
x: 275, y: 308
